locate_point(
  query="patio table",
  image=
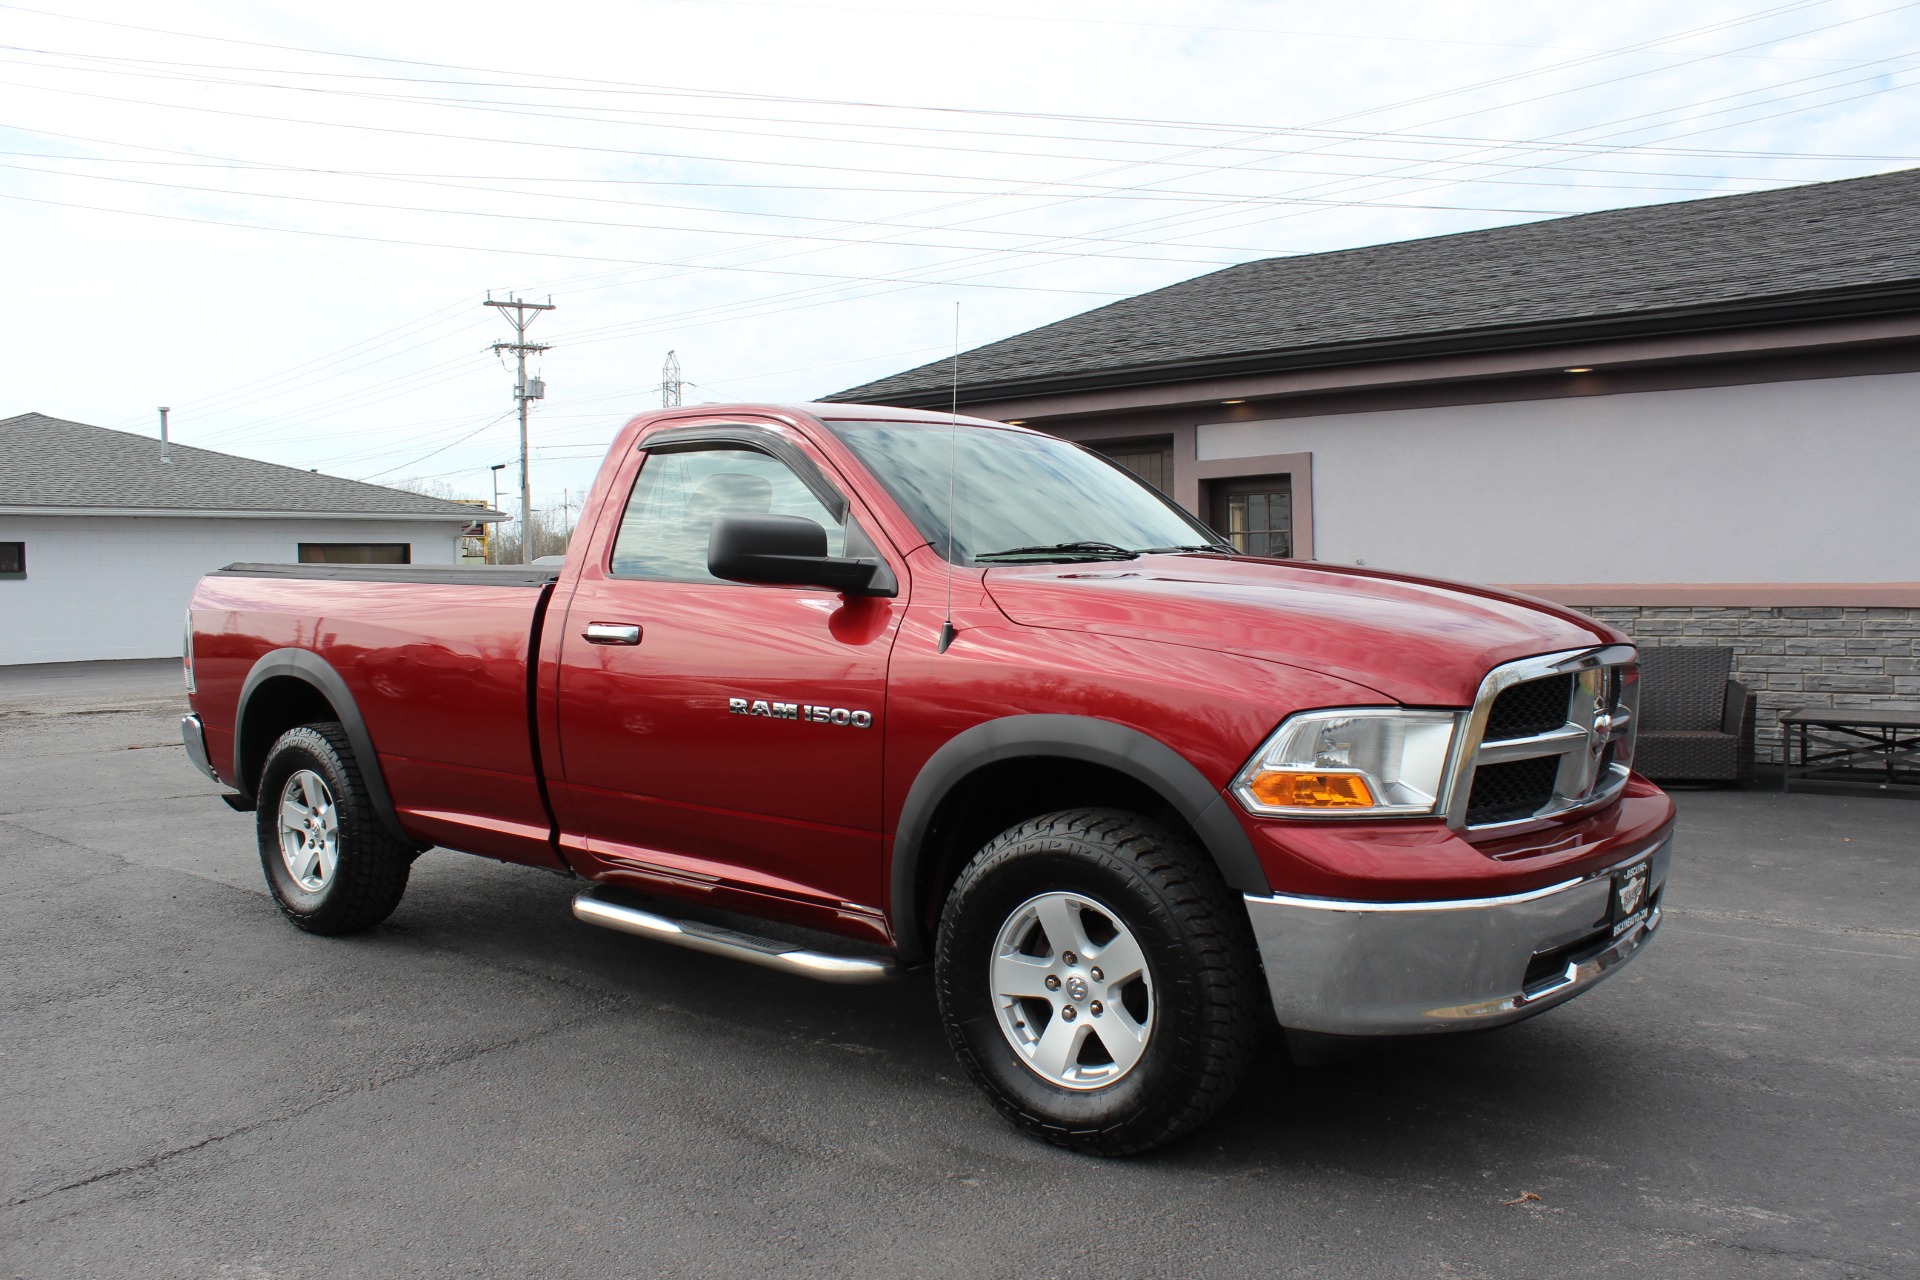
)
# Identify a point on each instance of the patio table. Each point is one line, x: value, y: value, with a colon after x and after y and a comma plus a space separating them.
x: 1843, y: 738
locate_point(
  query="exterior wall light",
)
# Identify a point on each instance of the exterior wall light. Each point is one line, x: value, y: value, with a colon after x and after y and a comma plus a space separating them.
x: 1233, y: 402
x: 1578, y: 369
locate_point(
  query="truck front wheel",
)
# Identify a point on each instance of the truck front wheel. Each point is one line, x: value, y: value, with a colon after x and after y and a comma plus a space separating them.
x: 1098, y: 981
x: 331, y: 865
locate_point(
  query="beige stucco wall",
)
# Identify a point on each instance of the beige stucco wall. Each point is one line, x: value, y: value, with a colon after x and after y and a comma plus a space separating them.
x: 1806, y: 481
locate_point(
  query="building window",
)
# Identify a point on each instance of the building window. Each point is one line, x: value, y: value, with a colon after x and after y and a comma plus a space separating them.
x: 13, y: 559
x: 356, y: 553
x: 1151, y: 460
x: 1255, y: 513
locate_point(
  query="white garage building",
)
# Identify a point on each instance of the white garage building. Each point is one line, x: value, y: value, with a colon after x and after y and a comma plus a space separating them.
x: 101, y: 540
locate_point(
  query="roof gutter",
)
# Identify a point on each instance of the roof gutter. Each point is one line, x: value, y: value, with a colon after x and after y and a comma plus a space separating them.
x: 1799, y: 308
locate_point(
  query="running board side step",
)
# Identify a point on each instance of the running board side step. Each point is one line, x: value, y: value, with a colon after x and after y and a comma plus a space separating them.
x: 696, y: 935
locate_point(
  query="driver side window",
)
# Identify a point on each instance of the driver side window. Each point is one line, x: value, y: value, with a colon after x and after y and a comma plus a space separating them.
x: 677, y: 497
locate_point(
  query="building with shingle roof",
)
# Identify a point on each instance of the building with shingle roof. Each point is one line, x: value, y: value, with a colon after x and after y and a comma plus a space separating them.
x: 1848, y: 248
x: 1699, y: 420
x: 102, y: 537
x: 55, y: 464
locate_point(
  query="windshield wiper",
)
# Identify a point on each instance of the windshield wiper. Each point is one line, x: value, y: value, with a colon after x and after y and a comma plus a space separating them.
x: 1217, y: 548
x: 1063, y: 550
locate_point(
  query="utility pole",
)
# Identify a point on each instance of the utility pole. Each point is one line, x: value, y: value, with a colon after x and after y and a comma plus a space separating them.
x: 496, y: 468
x: 670, y: 383
x: 524, y: 391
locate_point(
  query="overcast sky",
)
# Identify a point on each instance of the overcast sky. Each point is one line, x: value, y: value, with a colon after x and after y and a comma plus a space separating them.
x: 282, y: 220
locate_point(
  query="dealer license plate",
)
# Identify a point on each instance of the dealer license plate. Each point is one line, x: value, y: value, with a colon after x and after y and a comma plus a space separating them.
x: 1629, y: 906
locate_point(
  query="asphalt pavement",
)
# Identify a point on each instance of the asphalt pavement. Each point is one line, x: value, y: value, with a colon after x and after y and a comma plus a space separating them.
x: 485, y: 1087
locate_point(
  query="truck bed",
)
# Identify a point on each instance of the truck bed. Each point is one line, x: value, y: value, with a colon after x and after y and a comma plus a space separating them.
x: 435, y: 662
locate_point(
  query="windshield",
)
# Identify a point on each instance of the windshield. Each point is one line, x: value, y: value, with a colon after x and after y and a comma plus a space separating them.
x: 1018, y: 496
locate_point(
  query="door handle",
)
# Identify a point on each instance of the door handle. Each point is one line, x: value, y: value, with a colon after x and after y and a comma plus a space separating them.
x: 612, y: 633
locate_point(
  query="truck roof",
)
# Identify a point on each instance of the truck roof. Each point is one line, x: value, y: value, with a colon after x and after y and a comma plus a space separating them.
x: 826, y: 412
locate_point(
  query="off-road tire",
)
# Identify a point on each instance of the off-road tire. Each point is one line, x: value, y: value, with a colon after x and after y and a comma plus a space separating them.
x: 372, y: 867
x: 1206, y: 978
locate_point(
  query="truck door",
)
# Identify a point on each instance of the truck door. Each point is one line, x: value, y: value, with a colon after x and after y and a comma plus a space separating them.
x: 718, y: 737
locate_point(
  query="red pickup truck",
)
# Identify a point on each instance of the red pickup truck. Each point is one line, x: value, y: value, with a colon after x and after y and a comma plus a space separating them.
x: 843, y: 690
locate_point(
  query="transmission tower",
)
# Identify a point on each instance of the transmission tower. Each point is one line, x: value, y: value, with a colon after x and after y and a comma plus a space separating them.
x: 670, y: 382
x: 522, y: 315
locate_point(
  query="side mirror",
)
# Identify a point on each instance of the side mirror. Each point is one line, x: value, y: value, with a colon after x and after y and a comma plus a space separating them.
x: 791, y: 550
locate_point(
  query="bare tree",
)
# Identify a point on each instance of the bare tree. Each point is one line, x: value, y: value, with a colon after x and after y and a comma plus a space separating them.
x: 552, y: 531
x: 552, y: 526
x: 426, y: 488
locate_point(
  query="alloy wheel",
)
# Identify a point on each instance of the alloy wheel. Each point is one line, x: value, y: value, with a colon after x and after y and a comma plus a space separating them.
x: 309, y: 830
x: 1072, y: 991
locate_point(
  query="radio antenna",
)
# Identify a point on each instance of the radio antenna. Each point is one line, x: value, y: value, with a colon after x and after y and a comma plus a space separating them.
x: 953, y: 431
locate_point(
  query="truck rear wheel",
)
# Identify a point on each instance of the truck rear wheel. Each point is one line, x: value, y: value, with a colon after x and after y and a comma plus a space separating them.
x: 1098, y: 981
x: 331, y: 865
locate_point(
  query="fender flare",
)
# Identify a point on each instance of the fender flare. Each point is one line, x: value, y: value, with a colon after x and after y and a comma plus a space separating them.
x: 1145, y: 759
x: 310, y: 668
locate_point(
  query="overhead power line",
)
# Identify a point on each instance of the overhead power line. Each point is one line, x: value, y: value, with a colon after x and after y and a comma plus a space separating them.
x: 442, y: 449
x: 532, y: 253
x: 1264, y: 130
x: 586, y: 83
x: 1164, y: 195
x: 658, y: 118
x: 1255, y: 155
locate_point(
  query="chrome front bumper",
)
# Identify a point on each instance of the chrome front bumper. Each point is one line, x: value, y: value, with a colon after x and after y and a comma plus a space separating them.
x: 195, y: 739
x: 1401, y: 968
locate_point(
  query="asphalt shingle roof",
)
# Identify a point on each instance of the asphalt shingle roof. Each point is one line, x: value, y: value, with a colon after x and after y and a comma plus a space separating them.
x: 1562, y: 276
x: 50, y: 462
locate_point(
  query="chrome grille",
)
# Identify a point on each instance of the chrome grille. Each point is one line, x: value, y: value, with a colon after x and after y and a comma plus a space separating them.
x: 1511, y: 790
x: 1536, y: 706
x: 1546, y: 736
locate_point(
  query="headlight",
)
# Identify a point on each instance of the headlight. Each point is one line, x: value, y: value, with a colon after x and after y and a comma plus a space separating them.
x: 1359, y: 762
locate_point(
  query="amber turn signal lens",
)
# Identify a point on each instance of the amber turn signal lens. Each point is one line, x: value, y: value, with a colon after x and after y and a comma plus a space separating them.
x: 1312, y: 790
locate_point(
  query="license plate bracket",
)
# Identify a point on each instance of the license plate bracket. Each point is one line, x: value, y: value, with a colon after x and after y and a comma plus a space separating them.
x: 1627, y: 905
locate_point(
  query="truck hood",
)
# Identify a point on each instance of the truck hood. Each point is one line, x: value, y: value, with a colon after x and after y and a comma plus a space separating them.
x: 1417, y: 641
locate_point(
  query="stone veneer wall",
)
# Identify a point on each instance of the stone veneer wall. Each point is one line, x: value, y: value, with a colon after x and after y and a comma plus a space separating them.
x: 1793, y: 657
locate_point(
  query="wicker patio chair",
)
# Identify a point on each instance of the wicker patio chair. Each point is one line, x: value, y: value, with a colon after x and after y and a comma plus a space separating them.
x: 1696, y: 722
